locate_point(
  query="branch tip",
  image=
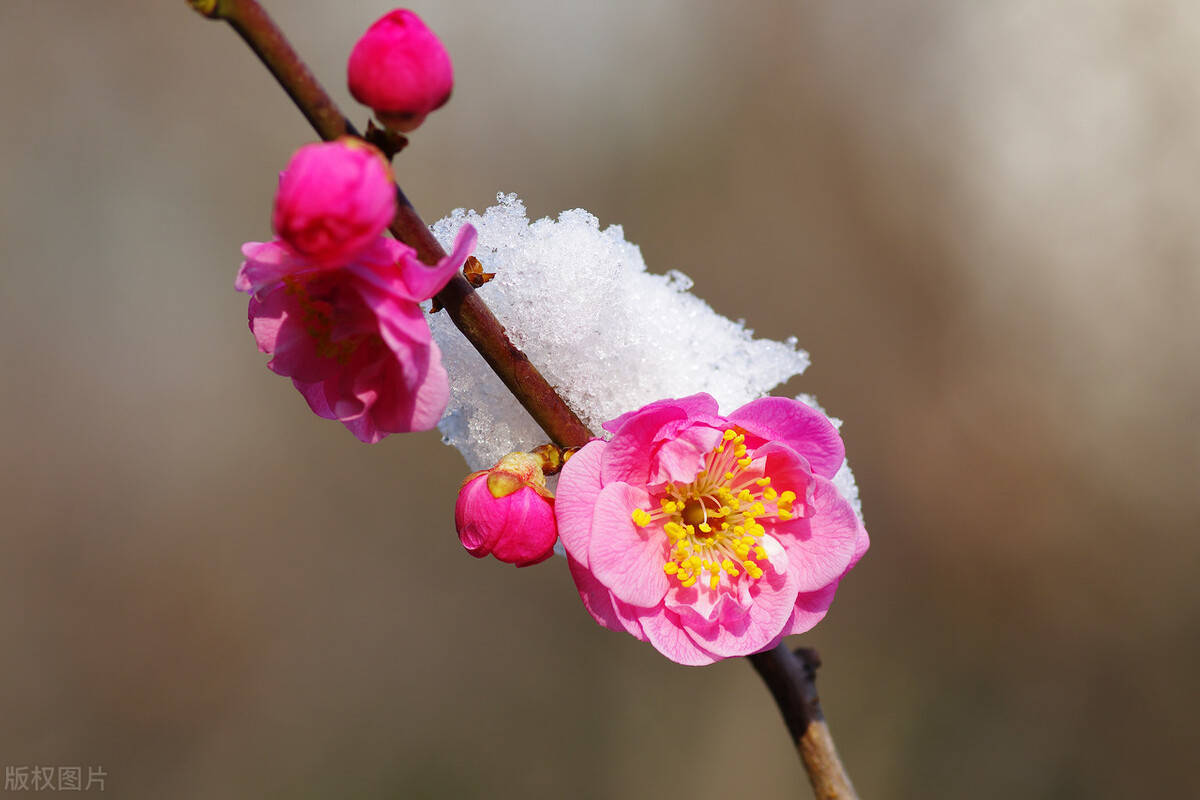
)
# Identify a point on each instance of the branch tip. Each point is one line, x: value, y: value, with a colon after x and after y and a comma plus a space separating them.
x: 206, y: 8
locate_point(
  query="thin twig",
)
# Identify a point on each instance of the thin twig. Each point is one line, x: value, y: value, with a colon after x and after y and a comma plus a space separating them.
x: 792, y: 680
x: 790, y: 677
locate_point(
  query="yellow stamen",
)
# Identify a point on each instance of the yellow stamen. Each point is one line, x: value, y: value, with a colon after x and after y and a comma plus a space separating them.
x: 713, y: 530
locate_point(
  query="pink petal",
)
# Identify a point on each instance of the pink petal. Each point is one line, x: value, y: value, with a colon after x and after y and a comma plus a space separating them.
x: 410, y: 390
x: 579, y: 485
x: 625, y: 558
x: 695, y: 405
x: 696, y: 605
x: 664, y: 630
x: 278, y: 327
x: 364, y: 429
x: 356, y: 388
x: 629, y: 456
x: 265, y: 324
x: 821, y: 545
x: 773, y: 599
x: 429, y: 401
x: 788, y: 470
x: 412, y: 396
x: 682, y: 456
x: 799, y: 426
x: 314, y: 395
x: 423, y: 282
x: 267, y: 263
x: 475, y: 516
x: 385, y: 397
x: 810, y: 609
x: 861, y: 544
x: 402, y: 325
x: 599, y: 602
x: 528, y: 534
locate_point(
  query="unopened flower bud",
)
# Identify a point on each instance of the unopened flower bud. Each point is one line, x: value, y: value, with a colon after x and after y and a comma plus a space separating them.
x: 507, y: 512
x: 401, y: 70
x: 334, y: 200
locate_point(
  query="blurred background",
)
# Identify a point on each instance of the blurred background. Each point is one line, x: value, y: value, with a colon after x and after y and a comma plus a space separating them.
x: 979, y: 218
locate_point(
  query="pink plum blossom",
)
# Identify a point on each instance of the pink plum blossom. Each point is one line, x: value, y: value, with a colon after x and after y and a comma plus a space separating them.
x: 353, y: 339
x: 401, y: 70
x: 507, y: 512
x: 334, y: 200
x: 709, y: 536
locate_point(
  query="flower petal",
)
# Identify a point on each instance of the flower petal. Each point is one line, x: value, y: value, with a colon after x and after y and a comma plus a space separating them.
x: 314, y: 395
x: 665, y: 631
x: 527, y: 537
x: 277, y: 322
x: 629, y: 456
x: 579, y: 485
x: 599, y: 602
x: 428, y: 402
x: 682, y: 455
x: 265, y: 324
x: 422, y: 281
x: 694, y: 405
x: 797, y: 425
x: 267, y: 263
x: 810, y: 609
x: 625, y: 558
x: 773, y: 599
x: 821, y: 545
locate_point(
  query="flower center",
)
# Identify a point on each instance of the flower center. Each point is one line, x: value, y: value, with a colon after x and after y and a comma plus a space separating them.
x: 694, y: 512
x: 317, y: 310
x: 714, y: 524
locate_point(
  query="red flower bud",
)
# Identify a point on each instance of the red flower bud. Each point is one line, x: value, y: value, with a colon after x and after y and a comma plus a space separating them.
x: 507, y: 512
x: 401, y: 70
x: 334, y: 200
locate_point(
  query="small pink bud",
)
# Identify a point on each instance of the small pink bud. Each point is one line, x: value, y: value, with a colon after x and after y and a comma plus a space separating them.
x: 507, y: 512
x: 401, y: 70
x: 334, y: 200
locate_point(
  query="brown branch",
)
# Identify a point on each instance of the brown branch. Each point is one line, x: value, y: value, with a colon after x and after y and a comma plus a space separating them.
x: 790, y: 677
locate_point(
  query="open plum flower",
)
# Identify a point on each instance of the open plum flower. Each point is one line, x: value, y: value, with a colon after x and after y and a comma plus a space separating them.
x: 353, y: 339
x: 709, y: 536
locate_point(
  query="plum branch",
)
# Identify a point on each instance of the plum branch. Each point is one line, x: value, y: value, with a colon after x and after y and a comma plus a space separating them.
x: 788, y: 676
